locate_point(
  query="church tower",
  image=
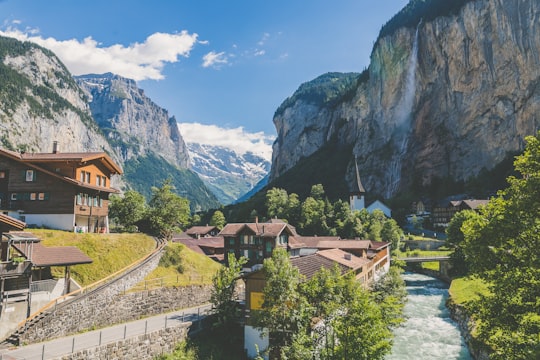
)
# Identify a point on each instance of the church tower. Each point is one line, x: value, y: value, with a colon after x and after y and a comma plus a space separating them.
x: 356, y: 197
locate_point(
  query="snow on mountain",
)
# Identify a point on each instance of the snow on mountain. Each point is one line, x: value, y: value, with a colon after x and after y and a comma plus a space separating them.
x: 230, y: 161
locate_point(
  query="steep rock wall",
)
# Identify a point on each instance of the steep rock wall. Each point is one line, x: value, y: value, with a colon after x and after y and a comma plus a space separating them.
x: 456, y: 96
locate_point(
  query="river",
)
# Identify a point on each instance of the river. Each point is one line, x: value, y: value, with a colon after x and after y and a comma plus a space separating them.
x: 428, y: 332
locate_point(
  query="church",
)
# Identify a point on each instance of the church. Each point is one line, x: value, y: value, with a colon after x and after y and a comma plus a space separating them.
x: 357, y: 197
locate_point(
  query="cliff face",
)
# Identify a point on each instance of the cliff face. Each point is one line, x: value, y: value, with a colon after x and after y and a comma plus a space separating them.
x: 40, y: 103
x: 133, y: 123
x: 455, y: 95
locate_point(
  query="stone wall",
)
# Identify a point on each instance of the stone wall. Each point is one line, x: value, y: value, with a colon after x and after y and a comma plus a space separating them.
x: 101, y: 311
x: 140, y: 347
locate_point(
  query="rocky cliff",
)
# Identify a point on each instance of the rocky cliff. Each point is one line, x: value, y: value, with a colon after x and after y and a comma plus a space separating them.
x: 41, y: 103
x: 448, y: 97
x: 133, y: 123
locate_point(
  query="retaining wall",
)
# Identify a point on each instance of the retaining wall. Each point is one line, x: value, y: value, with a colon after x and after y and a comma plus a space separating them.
x: 466, y: 326
x: 140, y: 347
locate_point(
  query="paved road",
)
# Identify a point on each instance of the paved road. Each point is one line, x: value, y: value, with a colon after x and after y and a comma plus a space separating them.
x: 65, y: 346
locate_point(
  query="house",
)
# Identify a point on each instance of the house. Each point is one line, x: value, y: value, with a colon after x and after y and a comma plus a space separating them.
x: 66, y: 191
x: 307, y: 266
x: 256, y: 241
x: 202, y: 231
x: 24, y: 261
x: 444, y: 211
x: 213, y: 247
x: 379, y: 205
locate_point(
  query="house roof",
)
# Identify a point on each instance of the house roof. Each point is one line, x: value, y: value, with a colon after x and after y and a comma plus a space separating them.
x: 357, y: 187
x: 52, y: 256
x: 310, y: 264
x: 343, y: 258
x: 80, y: 157
x: 200, y: 230
x: 7, y: 223
x: 345, y: 244
x: 313, y: 241
x: 259, y: 229
x: 19, y: 157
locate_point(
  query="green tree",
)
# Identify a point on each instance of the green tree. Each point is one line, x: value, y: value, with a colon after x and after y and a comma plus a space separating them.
x: 218, y: 220
x: 223, y: 296
x: 361, y: 330
x: 455, y: 239
x: 283, y: 312
x: 392, y: 233
x: 127, y: 210
x: 502, y: 246
x: 168, y: 212
x: 277, y: 203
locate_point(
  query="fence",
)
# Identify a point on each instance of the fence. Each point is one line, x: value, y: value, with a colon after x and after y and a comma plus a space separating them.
x: 43, y: 285
x: 93, y: 339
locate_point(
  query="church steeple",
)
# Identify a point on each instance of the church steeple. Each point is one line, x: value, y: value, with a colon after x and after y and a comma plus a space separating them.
x: 356, y: 198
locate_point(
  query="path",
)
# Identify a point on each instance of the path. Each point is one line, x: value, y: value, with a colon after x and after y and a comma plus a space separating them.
x: 91, y: 339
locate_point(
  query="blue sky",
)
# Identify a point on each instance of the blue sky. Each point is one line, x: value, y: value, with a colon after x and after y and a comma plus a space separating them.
x: 228, y: 64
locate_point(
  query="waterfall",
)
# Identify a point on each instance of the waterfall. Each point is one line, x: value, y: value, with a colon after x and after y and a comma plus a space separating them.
x: 403, y: 118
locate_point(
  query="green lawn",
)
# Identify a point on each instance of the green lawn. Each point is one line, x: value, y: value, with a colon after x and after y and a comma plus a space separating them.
x: 466, y: 289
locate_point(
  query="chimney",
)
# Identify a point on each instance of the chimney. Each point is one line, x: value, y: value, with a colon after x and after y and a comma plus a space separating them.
x: 55, y: 147
x: 347, y: 256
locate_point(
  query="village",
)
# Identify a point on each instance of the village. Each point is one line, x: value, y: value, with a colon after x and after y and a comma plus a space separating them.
x: 70, y: 192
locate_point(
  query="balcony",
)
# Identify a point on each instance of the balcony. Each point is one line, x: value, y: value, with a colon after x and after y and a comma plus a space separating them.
x: 11, y: 269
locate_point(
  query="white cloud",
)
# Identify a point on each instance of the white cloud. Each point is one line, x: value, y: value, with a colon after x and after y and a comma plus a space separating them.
x: 236, y: 139
x: 214, y: 59
x: 138, y: 61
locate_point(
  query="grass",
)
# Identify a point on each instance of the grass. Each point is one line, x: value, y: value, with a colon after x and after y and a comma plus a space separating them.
x: 196, y: 269
x: 109, y: 252
x: 463, y: 290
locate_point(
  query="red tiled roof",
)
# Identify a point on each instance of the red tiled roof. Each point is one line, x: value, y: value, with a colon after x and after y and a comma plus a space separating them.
x: 310, y: 264
x: 344, y: 258
x: 52, y: 256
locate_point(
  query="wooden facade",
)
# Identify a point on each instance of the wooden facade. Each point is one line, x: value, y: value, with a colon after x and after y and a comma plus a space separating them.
x: 57, y: 190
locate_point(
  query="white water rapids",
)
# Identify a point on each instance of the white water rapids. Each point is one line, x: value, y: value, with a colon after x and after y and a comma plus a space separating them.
x: 428, y: 333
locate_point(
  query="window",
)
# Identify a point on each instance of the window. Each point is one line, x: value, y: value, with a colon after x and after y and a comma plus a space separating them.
x: 30, y: 175
x: 2, y: 174
x: 33, y: 196
x: 13, y: 196
x: 104, y: 181
x: 79, y: 199
x: 88, y: 177
x: 98, y: 180
x: 43, y: 196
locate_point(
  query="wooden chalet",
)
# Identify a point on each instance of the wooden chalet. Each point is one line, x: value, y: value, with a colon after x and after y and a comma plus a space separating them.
x: 444, y: 211
x: 256, y: 241
x: 202, y: 231
x: 67, y: 191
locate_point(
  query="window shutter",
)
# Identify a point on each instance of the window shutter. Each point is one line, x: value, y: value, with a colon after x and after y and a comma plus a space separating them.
x: 46, y: 196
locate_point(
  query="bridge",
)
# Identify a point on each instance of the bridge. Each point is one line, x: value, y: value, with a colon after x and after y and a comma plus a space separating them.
x: 444, y: 263
x: 423, y: 259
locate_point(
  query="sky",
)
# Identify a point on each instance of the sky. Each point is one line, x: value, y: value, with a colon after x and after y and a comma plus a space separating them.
x: 222, y: 67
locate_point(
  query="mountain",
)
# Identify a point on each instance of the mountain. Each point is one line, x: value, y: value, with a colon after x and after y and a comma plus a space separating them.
x: 40, y: 102
x: 450, y: 93
x: 230, y: 174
